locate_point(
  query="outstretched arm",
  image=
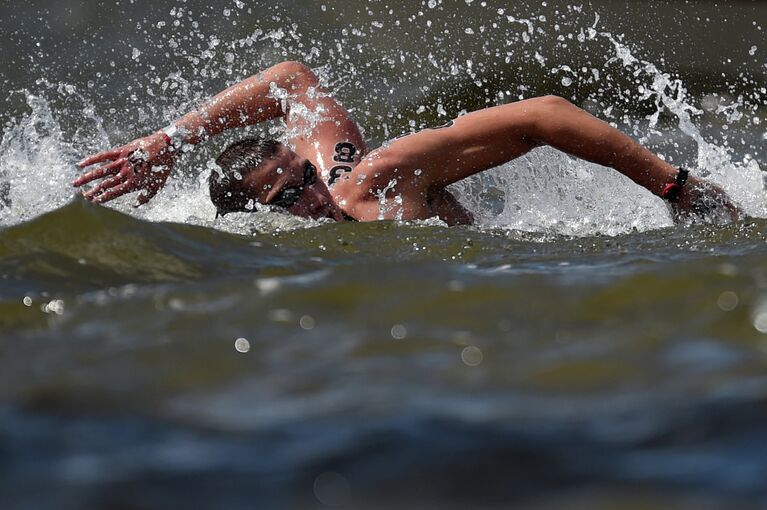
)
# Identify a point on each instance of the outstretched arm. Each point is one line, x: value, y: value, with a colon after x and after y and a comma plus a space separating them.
x: 488, y: 138
x: 146, y: 163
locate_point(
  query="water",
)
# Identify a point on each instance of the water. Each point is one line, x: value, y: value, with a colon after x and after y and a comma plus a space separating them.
x: 574, y: 349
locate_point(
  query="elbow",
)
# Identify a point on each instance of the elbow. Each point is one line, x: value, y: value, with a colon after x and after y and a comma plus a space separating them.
x: 544, y: 117
x: 553, y: 102
x: 297, y: 76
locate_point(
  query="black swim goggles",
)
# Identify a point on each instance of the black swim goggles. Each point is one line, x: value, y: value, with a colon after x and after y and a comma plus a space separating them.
x: 289, y: 195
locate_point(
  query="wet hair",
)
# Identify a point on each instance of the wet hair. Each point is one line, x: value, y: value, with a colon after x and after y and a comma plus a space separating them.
x: 235, y: 163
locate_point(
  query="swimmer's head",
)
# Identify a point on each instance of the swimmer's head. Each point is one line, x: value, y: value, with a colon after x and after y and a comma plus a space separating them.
x: 266, y: 171
x: 227, y: 187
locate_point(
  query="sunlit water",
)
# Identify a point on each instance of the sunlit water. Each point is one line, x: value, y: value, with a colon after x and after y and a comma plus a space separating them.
x: 574, y: 349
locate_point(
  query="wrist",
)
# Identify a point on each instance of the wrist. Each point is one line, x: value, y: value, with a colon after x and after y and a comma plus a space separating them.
x: 672, y: 190
x: 164, y: 136
x: 173, y: 136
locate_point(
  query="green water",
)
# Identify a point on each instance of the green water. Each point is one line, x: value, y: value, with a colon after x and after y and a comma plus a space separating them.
x: 419, y: 365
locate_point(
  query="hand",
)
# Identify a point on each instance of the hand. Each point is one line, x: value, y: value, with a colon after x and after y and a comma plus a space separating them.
x: 705, y: 200
x: 143, y: 164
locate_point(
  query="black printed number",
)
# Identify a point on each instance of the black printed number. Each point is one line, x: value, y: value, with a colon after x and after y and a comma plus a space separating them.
x: 337, y: 171
x: 345, y: 153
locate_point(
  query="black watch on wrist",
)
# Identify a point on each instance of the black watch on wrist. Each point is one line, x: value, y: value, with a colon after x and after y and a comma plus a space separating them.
x: 672, y: 190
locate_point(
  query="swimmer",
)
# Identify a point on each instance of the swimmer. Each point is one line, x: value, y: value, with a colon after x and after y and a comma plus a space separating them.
x: 326, y: 171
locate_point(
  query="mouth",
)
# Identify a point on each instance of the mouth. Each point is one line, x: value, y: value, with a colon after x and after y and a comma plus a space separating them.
x: 323, y: 207
x: 327, y: 211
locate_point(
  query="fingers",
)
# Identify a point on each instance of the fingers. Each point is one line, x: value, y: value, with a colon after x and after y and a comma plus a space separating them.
x: 100, y: 158
x: 711, y: 207
x: 117, y: 191
x: 113, y: 187
x: 104, y: 186
x: 98, y: 173
x: 129, y: 172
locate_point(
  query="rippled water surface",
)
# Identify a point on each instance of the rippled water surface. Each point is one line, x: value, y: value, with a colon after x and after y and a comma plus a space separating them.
x: 575, y: 349
x: 409, y: 364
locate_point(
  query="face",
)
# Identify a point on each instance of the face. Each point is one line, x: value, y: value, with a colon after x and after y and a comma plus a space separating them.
x: 287, y: 176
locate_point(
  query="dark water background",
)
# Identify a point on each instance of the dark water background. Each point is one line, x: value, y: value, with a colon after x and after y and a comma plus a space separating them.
x: 574, y: 350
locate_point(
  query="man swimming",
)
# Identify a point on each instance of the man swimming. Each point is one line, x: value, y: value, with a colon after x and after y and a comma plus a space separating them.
x: 327, y: 171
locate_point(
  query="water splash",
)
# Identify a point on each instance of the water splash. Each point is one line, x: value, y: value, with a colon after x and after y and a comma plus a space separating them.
x: 547, y: 191
x: 577, y: 198
x: 405, y: 89
x: 36, y: 165
x: 742, y: 180
x: 385, y: 205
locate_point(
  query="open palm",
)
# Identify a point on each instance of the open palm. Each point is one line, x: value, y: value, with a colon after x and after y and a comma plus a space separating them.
x: 143, y: 164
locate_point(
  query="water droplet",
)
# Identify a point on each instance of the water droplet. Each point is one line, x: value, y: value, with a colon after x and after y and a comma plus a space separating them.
x: 472, y: 356
x: 27, y: 301
x: 566, y: 81
x: 306, y: 322
x: 332, y: 489
x: 727, y: 301
x: 760, y: 321
x: 398, y: 332
x: 242, y: 345
x: 56, y: 306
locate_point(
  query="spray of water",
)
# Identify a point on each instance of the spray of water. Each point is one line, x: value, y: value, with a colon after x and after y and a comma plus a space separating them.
x: 37, y: 162
x: 543, y: 191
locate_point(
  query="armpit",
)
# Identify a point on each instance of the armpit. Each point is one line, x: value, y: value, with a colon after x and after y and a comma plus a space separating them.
x: 449, y: 209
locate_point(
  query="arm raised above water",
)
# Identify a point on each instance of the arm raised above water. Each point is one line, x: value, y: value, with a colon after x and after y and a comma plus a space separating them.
x: 488, y: 138
x: 146, y: 163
